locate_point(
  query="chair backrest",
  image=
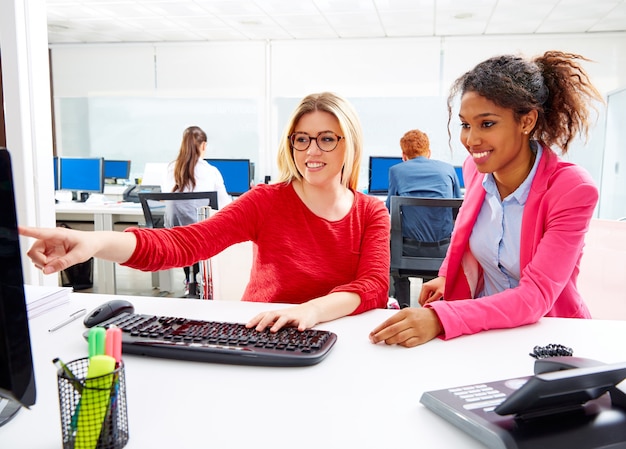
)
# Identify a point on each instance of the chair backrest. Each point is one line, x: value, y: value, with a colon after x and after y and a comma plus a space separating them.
x: 409, y: 265
x: 154, y: 218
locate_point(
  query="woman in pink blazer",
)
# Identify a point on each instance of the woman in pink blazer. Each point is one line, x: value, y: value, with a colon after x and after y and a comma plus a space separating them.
x: 515, y: 251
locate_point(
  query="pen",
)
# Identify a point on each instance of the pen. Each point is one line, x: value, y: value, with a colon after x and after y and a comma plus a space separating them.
x: 78, y: 386
x: 62, y: 366
x: 74, y: 316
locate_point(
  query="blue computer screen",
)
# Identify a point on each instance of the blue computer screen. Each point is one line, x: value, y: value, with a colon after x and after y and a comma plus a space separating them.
x: 81, y: 174
x: 116, y: 169
x: 236, y: 174
x: 55, y: 162
x: 459, y: 174
x: 379, y: 173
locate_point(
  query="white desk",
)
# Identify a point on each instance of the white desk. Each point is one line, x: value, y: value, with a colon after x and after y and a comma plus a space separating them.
x: 361, y: 396
x: 103, y: 217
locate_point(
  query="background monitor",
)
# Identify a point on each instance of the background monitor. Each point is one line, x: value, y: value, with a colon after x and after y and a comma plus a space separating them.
x: 459, y: 174
x: 236, y: 173
x: 81, y: 174
x: 17, y: 378
x: 378, y: 182
x: 116, y: 169
x: 154, y: 173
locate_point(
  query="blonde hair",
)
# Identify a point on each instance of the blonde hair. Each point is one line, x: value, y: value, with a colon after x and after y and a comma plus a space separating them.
x: 350, y: 128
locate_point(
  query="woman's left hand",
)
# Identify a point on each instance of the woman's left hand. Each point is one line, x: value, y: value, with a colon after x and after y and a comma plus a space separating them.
x: 409, y: 327
x: 302, y: 316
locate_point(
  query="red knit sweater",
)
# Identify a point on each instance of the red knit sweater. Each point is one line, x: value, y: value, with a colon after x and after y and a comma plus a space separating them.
x: 299, y: 256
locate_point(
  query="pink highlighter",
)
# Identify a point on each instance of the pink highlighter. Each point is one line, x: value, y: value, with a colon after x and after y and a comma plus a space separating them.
x: 113, y: 346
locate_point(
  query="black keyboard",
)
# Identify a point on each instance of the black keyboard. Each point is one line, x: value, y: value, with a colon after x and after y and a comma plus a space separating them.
x: 219, y: 342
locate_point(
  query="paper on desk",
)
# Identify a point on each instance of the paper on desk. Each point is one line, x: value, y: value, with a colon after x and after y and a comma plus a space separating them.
x: 40, y: 299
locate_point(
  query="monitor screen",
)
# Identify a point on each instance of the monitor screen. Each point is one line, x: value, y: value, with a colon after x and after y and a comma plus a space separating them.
x: 17, y: 378
x: 236, y: 174
x: 154, y: 173
x: 379, y: 173
x: 116, y: 169
x: 459, y: 174
x: 55, y: 162
x: 81, y: 174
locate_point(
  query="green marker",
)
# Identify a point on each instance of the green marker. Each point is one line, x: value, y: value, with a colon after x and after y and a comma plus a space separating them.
x: 94, y: 401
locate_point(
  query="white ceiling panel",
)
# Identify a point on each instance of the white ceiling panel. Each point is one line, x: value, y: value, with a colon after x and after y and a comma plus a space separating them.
x: 84, y: 21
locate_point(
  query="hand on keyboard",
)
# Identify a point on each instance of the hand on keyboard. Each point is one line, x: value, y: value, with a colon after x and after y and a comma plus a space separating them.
x: 302, y: 316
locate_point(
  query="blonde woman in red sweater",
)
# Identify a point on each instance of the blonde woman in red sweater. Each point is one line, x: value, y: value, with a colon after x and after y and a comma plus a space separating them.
x: 321, y: 245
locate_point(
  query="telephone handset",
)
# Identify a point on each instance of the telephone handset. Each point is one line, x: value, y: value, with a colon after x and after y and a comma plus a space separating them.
x: 131, y: 194
x: 565, y: 383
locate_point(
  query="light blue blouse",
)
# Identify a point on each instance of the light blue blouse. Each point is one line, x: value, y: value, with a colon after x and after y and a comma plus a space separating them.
x: 496, y: 236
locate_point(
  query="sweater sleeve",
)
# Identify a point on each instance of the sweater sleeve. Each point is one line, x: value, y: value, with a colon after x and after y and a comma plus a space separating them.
x: 162, y: 249
x: 372, y: 279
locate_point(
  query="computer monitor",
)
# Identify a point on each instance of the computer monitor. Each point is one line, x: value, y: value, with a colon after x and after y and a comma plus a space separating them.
x: 114, y: 170
x: 459, y: 174
x: 154, y: 173
x: 237, y: 174
x: 81, y: 174
x: 17, y: 378
x: 378, y: 181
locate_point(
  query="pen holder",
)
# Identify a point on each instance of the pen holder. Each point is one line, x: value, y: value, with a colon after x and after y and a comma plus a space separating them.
x: 93, y: 410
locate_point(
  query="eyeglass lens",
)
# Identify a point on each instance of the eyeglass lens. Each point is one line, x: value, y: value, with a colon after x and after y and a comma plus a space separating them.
x: 326, y: 141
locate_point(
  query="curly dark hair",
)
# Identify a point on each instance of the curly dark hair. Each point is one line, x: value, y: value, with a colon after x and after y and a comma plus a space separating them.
x: 554, y: 84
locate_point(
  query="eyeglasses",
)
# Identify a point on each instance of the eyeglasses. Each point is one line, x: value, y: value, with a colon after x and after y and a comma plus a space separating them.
x: 326, y: 141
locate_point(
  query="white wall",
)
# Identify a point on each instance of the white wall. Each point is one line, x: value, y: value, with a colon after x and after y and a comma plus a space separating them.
x: 137, y: 99
x: 613, y: 202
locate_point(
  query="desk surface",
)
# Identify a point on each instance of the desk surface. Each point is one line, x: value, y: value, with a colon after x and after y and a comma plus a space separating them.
x: 361, y: 395
x: 70, y: 207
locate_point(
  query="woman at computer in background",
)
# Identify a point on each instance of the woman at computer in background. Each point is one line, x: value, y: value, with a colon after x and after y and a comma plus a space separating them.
x: 191, y: 173
x: 321, y: 244
x: 515, y: 250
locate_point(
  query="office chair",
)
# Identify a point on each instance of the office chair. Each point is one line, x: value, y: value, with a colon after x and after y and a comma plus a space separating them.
x: 154, y: 207
x: 401, y: 265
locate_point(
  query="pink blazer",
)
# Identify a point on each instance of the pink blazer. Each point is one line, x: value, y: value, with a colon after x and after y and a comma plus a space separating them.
x: 556, y: 217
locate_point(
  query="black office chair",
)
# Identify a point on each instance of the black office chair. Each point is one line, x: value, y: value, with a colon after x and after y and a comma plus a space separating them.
x: 154, y: 207
x: 426, y: 268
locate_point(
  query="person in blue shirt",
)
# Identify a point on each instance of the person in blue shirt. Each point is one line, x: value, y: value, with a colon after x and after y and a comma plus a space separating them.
x: 426, y: 230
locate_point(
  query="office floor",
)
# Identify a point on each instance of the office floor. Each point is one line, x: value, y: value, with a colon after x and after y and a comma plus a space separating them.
x: 138, y: 283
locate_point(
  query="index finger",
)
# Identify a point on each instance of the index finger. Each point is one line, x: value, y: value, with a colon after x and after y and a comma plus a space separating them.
x: 396, y: 318
x: 28, y: 231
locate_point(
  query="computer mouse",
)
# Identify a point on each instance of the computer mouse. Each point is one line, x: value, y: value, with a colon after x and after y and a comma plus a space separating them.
x: 106, y: 311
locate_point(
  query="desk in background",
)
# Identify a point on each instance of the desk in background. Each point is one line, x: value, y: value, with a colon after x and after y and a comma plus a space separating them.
x: 103, y: 216
x: 362, y: 395
x: 230, y: 268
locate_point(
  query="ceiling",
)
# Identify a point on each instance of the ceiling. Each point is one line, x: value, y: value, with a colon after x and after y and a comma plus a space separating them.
x: 103, y: 21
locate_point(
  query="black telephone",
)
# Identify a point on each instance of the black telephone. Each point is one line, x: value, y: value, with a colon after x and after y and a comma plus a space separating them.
x: 570, y: 402
x: 131, y: 194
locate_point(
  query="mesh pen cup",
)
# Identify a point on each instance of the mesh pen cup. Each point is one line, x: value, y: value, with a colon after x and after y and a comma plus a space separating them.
x: 93, y: 410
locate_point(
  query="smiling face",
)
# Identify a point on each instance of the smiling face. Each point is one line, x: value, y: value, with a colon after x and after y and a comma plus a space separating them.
x: 497, y: 142
x: 319, y: 168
